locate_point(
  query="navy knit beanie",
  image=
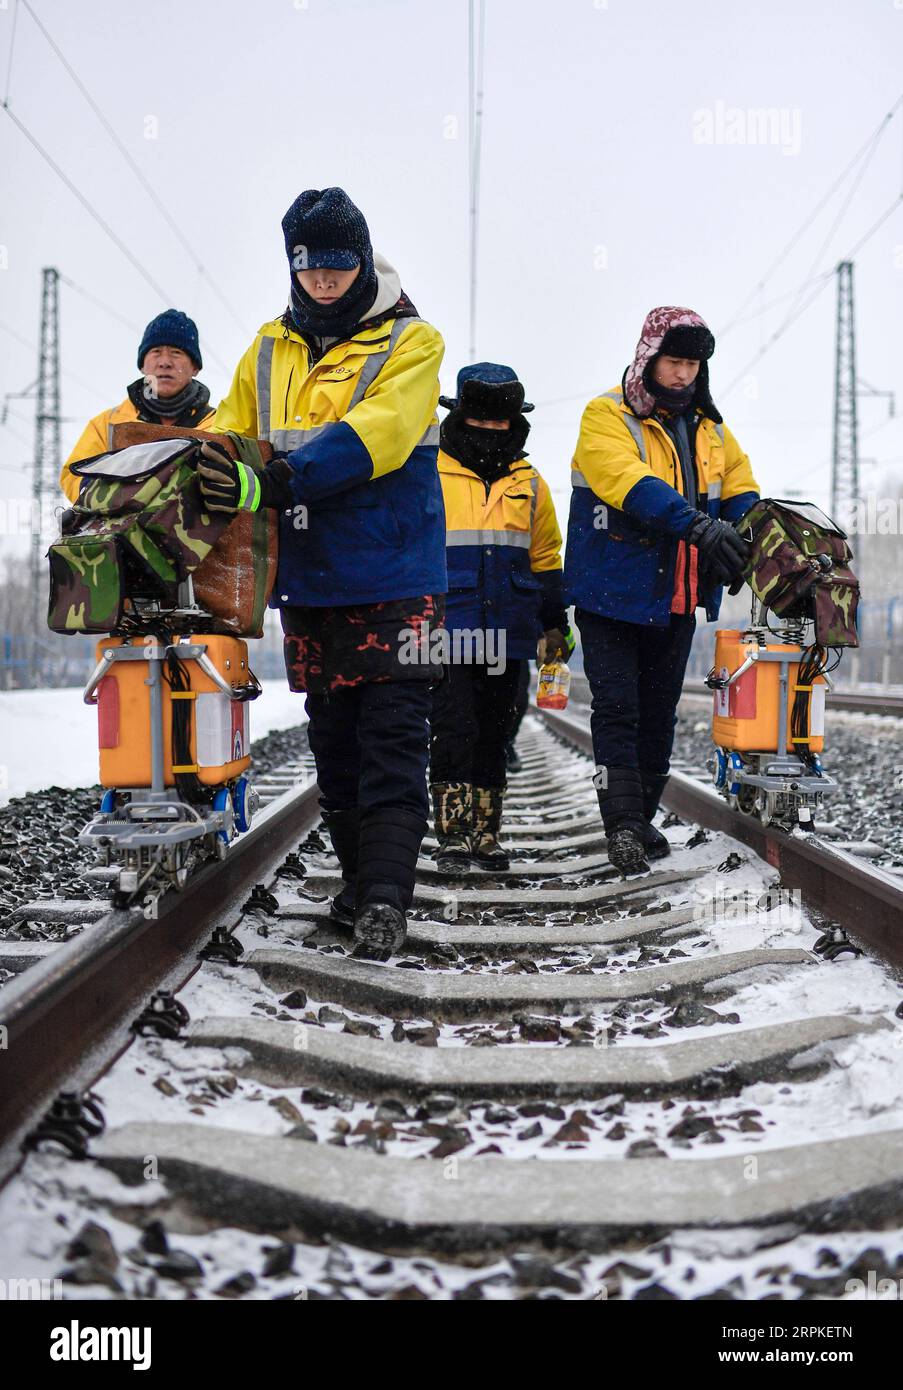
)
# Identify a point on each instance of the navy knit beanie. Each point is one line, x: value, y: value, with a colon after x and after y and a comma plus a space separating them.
x: 324, y: 228
x: 172, y: 328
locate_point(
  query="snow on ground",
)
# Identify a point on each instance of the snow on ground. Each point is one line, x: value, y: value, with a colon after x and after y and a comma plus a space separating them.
x: 49, y: 737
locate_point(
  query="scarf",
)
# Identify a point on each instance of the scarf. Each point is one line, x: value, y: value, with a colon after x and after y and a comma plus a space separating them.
x: 338, y: 320
x: 192, y: 397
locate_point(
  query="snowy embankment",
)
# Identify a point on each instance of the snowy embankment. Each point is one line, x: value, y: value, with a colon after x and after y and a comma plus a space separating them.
x: 49, y: 737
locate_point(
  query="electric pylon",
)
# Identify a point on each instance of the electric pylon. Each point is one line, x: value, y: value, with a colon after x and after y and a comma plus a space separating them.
x: 845, y: 453
x: 47, y: 460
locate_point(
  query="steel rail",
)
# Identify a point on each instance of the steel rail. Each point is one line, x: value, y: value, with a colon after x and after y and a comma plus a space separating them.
x: 864, y: 900
x: 850, y: 701
x: 88, y: 991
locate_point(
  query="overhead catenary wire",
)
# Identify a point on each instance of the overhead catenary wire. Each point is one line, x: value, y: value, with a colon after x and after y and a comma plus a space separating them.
x: 829, y: 235
x: 821, y: 282
x: 12, y: 49
x: 88, y: 206
x: 815, y: 283
x: 133, y: 327
x: 476, y: 47
x: 101, y: 304
x: 148, y: 187
x: 32, y: 347
x: 810, y: 219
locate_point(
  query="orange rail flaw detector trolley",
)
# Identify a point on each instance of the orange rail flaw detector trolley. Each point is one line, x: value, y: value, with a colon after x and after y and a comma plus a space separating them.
x: 768, y: 722
x: 174, y: 741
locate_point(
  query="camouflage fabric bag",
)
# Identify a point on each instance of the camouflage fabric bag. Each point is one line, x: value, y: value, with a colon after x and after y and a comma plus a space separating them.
x: 137, y: 530
x: 233, y: 584
x: 800, y: 568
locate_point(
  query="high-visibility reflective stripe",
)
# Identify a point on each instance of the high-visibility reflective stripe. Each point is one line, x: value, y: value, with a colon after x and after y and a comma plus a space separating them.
x: 714, y: 489
x: 719, y: 430
x: 577, y: 478
x: 632, y: 423
x: 516, y: 538
x: 636, y: 429
x: 264, y: 380
x: 297, y: 439
x: 376, y: 361
x: 290, y: 440
x: 110, y: 435
x: 534, y: 488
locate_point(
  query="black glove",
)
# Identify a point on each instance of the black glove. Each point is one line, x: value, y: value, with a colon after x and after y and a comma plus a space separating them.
x: 555, y: 642
x: 723, y: 553
x: 228, y: 485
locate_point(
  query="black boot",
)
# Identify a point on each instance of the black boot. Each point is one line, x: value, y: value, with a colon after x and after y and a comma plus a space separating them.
x: 621, y: 804
x: 390, y: 841
x: 653, y: 785
x: 344, y: 830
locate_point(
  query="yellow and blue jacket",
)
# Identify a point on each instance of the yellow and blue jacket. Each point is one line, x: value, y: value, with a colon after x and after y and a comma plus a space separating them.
x: 358, y: 426
x: 97, y: 436
x: 503, y: 554
x: 629, y: 510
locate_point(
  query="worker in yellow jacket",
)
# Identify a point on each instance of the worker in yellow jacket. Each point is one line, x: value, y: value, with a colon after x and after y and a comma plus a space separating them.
x: 503, y: 550
x: 344, y: 385
x: 167, y: 393
x: 658, y: 478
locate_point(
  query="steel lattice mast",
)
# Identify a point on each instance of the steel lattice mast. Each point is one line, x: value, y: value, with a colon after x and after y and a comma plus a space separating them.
x: 845, y: 454
x: 47, y: 450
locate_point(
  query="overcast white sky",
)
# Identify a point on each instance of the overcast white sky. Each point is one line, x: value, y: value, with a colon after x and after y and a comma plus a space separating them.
x: 599, y: 199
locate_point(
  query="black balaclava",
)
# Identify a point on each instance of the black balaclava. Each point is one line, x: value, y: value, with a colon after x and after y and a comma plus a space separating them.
x: 488, y: 453
x: 325, y: 228
x: 486, y: 391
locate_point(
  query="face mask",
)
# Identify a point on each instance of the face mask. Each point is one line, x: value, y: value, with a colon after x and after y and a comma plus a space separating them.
x: 672, y: 397
x: 341, y: 318
x: 485, y: 451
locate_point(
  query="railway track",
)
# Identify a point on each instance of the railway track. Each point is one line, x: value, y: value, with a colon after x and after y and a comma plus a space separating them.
x: 568, y: 1085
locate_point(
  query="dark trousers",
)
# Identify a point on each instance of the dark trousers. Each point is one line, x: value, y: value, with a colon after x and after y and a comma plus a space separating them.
x: 473, y: 714
x: 370, y: 743
x: 635, y: 674
x: 521, y: 700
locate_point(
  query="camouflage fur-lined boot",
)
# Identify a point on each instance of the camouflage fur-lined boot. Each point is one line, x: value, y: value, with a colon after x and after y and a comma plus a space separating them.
x: 453, y: 821
x: 485, y: 849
